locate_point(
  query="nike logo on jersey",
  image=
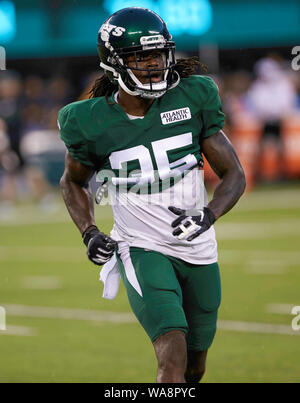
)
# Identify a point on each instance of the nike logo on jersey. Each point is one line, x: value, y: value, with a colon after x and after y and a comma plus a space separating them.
x: 175, y: 116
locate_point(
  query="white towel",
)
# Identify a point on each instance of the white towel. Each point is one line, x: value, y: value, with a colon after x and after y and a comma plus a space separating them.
x: 110, y: 276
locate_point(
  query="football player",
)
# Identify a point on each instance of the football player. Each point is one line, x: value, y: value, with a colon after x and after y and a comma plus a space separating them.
x: 156, y: 117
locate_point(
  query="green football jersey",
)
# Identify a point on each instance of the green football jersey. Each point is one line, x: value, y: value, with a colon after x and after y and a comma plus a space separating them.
x: 163, y: 145
x: 99, y: 134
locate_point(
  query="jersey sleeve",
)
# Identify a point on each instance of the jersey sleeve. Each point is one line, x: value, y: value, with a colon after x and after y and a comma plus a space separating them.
x: 212, y: 115
x: 72, y: 135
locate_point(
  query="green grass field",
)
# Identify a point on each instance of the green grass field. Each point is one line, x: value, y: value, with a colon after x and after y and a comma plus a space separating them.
x: 59, y: 329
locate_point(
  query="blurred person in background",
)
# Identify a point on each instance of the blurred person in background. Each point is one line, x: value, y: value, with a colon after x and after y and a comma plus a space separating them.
x: 34, y: 104
x: 295, y: 77
x: 235, y: 87
x: 88, y: 84
x: 58, y: 92
x: 9, y: 163
x: 29, y: 136
x: 39, y: 139
x: 43, y: 154
x: 10, y: 106
x: 10, y: 128
x: 271, y: 98
x: 34, y: 90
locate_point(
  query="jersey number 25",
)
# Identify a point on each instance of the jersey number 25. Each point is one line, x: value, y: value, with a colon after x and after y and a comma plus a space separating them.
x: 142, y: 154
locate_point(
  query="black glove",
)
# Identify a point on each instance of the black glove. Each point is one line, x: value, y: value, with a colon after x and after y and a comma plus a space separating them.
x: 100, y: 247
x: 189, y: 227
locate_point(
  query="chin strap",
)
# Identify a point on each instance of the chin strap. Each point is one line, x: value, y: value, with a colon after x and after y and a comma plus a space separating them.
x: 143, y: 90
x: 125, y: 88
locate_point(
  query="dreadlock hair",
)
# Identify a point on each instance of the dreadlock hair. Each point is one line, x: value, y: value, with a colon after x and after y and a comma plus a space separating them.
x: 185, y: 67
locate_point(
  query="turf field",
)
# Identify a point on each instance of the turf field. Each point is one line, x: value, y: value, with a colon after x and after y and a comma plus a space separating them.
x: 59, y: 329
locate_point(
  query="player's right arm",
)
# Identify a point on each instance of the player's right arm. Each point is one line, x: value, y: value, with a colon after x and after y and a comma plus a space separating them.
x: 76, y: 193
x: 78, y: 198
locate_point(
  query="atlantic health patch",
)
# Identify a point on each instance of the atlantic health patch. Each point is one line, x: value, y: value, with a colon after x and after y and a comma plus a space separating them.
x: 175, y: 116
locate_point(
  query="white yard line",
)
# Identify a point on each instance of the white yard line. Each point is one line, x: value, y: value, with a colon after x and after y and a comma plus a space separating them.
x: 264, y: 262
x: 252, y: 327
x: 41, y: 283
x: 30, y: 215
x: 280, y: 309
x: 277, y: 198
x: 276, y: 258
x: 261, y: 261
x: 261, y: 267
x: 43, y: 253
x: 290, y: 256
x: 118, y: 317
x: 31, y: 220
x: 76, y: 253
x: 33, y: 214
x: 257, y: 230
x: 18, y: 331
x: 68, y: 314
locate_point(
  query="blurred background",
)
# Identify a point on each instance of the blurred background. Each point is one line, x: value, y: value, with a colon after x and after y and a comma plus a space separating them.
x: 250, y: 48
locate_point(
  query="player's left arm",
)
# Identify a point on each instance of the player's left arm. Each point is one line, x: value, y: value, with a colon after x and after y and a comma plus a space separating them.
x: 223, y: 159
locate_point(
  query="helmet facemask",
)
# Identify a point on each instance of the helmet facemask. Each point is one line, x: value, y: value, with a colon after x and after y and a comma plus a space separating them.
x: 125, y: 74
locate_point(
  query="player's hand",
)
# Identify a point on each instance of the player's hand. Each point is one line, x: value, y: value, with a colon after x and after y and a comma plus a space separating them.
x: 100, y: 247
x: 189, y: 227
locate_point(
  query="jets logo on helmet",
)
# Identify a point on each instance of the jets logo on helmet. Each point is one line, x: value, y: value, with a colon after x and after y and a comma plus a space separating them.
x: 131, y: 32
x: 106, y: 29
